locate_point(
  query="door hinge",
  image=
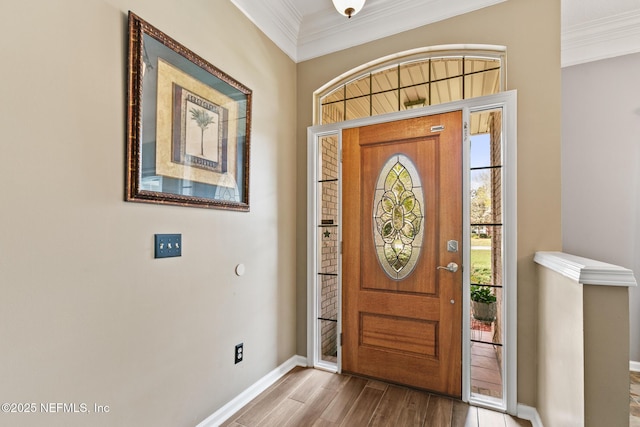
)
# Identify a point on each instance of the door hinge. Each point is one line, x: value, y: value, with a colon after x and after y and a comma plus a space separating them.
x: 340, y: 155
x: 340, y: 247
x: 340, y: 339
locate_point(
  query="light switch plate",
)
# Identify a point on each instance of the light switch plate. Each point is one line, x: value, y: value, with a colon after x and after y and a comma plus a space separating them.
x: 168, y: 245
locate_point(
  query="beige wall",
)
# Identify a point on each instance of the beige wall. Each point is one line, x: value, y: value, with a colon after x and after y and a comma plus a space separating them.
x: 86, y: 314
x: 583, y: 347
x: 561, y: 350
x: 606, y: 360
x: 531, y: 31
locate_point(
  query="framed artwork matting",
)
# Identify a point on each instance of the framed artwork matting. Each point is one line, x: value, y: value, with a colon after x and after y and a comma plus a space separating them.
x: 188, y: 126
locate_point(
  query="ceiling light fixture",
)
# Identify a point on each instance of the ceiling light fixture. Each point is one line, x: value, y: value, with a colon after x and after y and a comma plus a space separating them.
x: 348, y: 8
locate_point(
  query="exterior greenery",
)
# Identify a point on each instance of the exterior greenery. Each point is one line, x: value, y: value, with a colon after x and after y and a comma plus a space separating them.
x: 480, y: 274
x: 482, y: 294
x: 483, y: 304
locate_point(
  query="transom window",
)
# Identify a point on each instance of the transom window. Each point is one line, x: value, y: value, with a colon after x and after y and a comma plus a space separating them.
x: 411, y: 81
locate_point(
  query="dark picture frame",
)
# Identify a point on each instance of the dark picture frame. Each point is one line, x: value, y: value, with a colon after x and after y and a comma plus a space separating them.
x: 188, y: 126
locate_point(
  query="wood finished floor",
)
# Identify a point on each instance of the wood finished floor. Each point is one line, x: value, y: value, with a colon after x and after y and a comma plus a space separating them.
x: 311, y: 397
x: 634, y: 399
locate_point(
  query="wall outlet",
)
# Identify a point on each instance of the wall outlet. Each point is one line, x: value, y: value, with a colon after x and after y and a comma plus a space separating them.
x: 239, y: 353
x: 168, y: 245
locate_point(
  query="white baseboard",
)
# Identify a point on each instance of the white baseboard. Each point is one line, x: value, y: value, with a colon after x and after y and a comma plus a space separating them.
x: 529, y: 413
x: 634, y: 366
x: 222, y: 414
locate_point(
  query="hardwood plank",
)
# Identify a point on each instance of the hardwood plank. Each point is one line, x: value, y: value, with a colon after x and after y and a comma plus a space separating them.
x: 268, y: 400
x: 464, y: 415
x: 414, y: 409
x: 281, y: 414
x: 487, y: 418
x: 439, y: 412
x: 364, y: 407
x: 290, y: 376
x: 390, y: 407
x: 324, y: 423
x: 311, y: 410
x: 516, y: 422
x: 230, y: 422
x: 336, y: 382
x: 340, y: 406
x: 377, y: 384
x: 315, y: 380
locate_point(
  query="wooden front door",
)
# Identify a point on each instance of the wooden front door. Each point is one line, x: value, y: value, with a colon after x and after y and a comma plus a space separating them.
x: 402, y: 213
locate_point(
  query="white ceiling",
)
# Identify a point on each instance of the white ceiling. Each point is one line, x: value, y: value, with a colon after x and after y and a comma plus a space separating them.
x: 305, y: 29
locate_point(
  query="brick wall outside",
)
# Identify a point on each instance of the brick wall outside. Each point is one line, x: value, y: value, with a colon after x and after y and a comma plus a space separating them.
x: 329, y: 248
x: 495, y: 124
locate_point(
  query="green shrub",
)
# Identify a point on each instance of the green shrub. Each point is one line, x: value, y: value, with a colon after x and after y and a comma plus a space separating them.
x: 482, y: 294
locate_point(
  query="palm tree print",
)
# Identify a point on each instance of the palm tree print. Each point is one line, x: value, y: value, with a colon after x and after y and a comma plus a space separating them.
x: 203, y: 120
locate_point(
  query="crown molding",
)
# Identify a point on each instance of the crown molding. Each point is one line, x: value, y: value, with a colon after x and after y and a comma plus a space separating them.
x: 277, y: 19
x: 326, y: 31
x: 603, y: 38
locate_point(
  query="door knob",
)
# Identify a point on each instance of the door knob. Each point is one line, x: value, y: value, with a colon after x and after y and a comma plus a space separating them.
x: 452, y: 267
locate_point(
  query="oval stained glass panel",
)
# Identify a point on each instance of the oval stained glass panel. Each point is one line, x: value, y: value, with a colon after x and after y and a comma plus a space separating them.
x: 398, y: 219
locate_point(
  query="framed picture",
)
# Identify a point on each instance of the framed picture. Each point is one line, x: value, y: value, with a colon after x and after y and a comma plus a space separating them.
x: 188, y: 126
